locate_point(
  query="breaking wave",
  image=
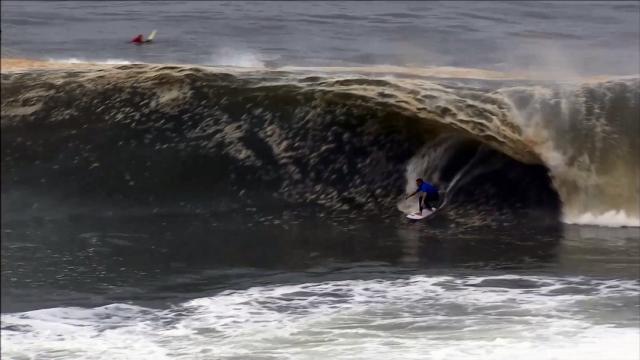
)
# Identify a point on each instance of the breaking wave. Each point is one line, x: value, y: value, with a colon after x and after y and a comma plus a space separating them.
x: 206, y: 137
x: 356, y: 319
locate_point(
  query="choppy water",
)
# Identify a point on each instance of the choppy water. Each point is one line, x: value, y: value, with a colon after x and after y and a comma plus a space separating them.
x: 317, y: 291
x: 206, y: 212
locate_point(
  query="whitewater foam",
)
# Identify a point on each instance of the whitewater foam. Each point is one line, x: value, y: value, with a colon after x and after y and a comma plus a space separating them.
x: 418, y: 317
x: 613, y: 218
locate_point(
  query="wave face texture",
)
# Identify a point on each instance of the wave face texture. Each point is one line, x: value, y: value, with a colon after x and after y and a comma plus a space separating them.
x: 206, y: 140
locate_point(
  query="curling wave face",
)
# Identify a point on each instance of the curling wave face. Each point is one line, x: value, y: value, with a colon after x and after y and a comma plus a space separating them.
x: 207, y: 137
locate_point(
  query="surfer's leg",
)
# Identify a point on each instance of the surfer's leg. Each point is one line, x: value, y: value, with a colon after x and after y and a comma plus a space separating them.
x: 420, y: 204
x: 432, y: 201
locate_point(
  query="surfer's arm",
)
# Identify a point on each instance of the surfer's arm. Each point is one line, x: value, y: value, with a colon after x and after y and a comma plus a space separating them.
x: 410, y: 195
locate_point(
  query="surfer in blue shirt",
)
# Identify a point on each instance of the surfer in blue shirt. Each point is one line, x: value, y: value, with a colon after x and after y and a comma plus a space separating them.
x: 430, y: 197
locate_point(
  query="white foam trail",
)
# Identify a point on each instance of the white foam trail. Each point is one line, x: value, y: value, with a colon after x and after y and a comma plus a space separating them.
x: 613, y: 218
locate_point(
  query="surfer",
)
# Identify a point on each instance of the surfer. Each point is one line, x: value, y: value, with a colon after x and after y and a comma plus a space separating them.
x: 139, y: 40
x: 430, y: 197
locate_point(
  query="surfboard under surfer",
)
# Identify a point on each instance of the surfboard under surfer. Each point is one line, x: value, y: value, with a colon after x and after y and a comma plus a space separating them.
x: 430, y: 197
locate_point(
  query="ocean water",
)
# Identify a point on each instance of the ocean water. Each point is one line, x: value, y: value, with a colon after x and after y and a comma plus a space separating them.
x: 556, y: 37
x: 234, y: 190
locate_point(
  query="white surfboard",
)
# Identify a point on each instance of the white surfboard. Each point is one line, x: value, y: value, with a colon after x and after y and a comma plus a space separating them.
x: 416, y: 216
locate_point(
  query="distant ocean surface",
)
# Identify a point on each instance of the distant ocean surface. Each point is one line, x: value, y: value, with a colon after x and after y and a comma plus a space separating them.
x: 581, y: 37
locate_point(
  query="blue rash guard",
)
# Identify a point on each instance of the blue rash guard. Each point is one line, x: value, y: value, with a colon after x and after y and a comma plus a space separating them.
x: 429, y: 189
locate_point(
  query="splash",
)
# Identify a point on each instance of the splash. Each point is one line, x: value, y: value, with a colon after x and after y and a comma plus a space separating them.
x: 611, y: 218
x: 227, y: 56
